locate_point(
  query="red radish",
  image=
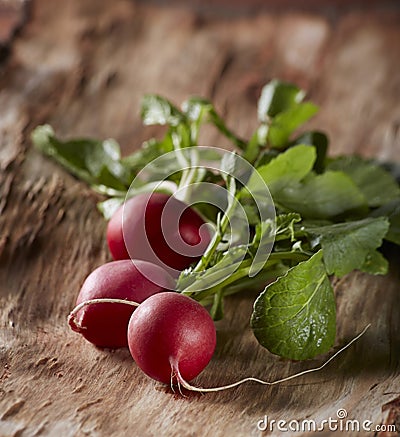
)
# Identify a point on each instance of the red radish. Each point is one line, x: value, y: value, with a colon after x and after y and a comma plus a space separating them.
x: 172, y: 339
x: 158, y: 228
x: 171, y: 334
x: 105, y: 324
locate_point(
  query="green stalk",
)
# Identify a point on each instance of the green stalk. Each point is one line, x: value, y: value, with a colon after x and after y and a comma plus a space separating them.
x: 217, y: 238
x: 242, y: 273
x: 254, y: 284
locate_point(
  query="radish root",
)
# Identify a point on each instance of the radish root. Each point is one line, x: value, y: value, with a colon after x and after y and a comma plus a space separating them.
x: 190, y: 387
x: 75, y: 311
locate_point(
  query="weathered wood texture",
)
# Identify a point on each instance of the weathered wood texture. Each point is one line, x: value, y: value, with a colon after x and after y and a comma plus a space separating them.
x: 83, y: 67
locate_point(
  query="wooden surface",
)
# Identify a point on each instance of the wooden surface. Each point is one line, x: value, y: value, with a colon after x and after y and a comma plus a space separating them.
x: 83, y: 67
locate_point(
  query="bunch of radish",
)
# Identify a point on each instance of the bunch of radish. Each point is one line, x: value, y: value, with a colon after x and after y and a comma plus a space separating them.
x: 170, y: 336
x: 281, y: 211
x: 130, y: 302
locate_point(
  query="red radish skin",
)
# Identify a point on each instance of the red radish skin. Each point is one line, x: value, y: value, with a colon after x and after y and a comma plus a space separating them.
x: 171, y: 334
x: 105, y: 324
x: 158, y: 228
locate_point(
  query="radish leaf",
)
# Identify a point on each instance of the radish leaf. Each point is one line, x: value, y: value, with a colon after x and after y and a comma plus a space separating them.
x: 284, y: 124
x: 322, y: 196
x: 288, y: 167
x: 158, y: 110
x: 295, y: 316
x: 392, y: 211
x: 347, y: 245
x: 378, y: 186
x: 277, y: 97
x: 375, y: 264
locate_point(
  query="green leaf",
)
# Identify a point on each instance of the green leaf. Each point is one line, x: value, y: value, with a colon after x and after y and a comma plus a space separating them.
x: 280, y: 112
x: 229, y: 165
x: 262, y: 229
x: 288, y: 167
x: 320, y: 141
x: 375, y: 264
x: 96, y: 162
x: 147, y: 156
x: 233, y: 165
x: 277, y: 97
x: 198, y: 110
x: 252, y: 211
x: 109, y: 207
x: 346, y: 246
x: 149, y: 151
x: 392, y: 211
x: 285, y: 225
x: 377, y: 185
x: 284, y: 124
x: 262, y: 241
x: 158, y: 110
x: 324, y: 196
x: 391, y: 167
x: 266, y: 156
x: 258, y: 140
x: 295, y: 316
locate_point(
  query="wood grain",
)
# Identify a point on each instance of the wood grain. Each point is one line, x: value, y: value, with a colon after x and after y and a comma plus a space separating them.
x: 83, y: 67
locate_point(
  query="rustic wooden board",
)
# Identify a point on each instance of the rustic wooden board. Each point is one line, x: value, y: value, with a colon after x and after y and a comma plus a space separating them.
x: 83, y: 67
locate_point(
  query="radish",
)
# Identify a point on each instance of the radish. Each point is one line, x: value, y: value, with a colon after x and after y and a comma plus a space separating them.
x: 105, y: 323
x: 171, y: 337
x: 158, y: 228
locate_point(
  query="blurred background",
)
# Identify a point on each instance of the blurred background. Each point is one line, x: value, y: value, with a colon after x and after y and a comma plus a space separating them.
x: 84, y: 66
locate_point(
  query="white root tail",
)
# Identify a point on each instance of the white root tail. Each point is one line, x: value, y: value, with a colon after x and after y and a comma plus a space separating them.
x: 75, y: 311
x: 190, y: 387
